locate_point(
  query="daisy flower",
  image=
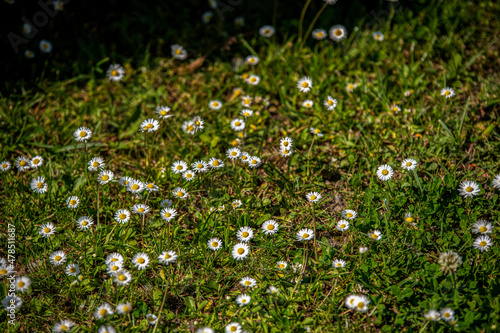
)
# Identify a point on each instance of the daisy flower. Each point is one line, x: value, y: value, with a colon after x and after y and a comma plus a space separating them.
x: 243, y: 299
x: 305, y: 84
x: 361, y: 303
x: 105, y: 176
x: 64, y: 325
x: 22, y: 163
x: 149, y: 125
x: 38, y: 185
x: 281, y: 265
x: 239, y: 21
x: 141, y: 209
x: 96, y: 163
x: 252, y: 60
x: 168, y: 214
x: 266, y: 31
x: 84, y: 222
x: 215, y: 163
x: 245, y: 157
x: 432, y: 315
x: 200, y: 166
x: 214, y: 244
x: 122, y: 216
x: 106, y: 329
x: 206, y: 17
x: 141, y: 260
x: 72, y: 270
x: 122, y: 278
x: 215, y: 105
x: 338, y: 263
x: 495, y: 182
x: 351, y: 86
x: 22, y: 283
x: 286, y: 142
x: 29, y: 54
x: 237, y: 125
x: 270, y: 227
x: 163, y: 111
x: 47, y: 229
x: 124, y: 181
x: 166, y: 203
x: 179, y: 167
x: 253, y: 80
x: 45, y: 46
x: 246, y: 101
x: 286, y: 151
x: 319, y: 34
x: 5, y: 270
x: 114, y: 268
x: 384, y: 172
x: 57, y: 258
x: 305, y: 234
x: 180, y: 193
x: 330, y: 103
x: 313, y: 196
x: 316, y: 131
x: 58, y: 5
x: 123, y: 308
x: 103, y: 310
x: 233, y: 153
x: 198, y: 123
x: 27, y: 28
x: 349, y: 214
x: 4, y: 166
x: 236, y: 203
x: 468, y: 189
x: 342, y: 225
x: 72, y: 202
x: 151, y: 187
x: 221, y: 208
x: 36, y: 162
x: 447, y: 92
x: 409, y: 218
x: 205, y: 330
x: 82, y: 134
x: 254, y: 162
x: 135, y: 186
x: 376, y: 235
x: 115, y: 72
x: 483, y: 243
x: 394, y: 108
x: 212, y: 3
x: 409, y: 164
x: 338, y: 32
x: 245, y: 234
x: 178, y: 52
x: 350, y: 301
x: 482, y: 227
x: 308, y: 104
x: 246, y: 113
x: 447, y: 314
x: 167, y: 257
x: 114, y: 257
x: 188, y: 127
x: 248, y: 282
x: 188, y: 175
x: 378, y: 36
x: 272, y: 290
x: 240, y: 251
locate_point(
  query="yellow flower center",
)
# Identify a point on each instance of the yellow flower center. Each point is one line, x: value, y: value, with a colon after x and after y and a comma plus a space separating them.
x: 361, y: 305
x: 305, y: 84
x: 166, y: 256
x: 244, y: 234
x: 395, y: 109
x: 233, y: 329
x: 483, y: 229
x: 149, y: 125
x: 338, y: 32
x: 281, y: 266
x: 482, y: 244
x: 57, y: 258
x: 36, y: 161
x: 215, y: 244
x: 253, y: 79
x: 233, y: 153
x: 308, y: 105
x: 313, y: 197
x: 122, y: 216
x: 244, y: 157
x: 377, y: 36
x: 237, y: 123
x: 105, y: 177
x: 247, y: 283
x: 447, y: 92
x: 3, y: 271
x: 348, y: 215
x: 190, y: 128
x: 317, y: 130
x: 63, y: 327
x: 72, y: 269
x: 141, y: 260
x: 306, y: 235
x: 243, y: 301
x: 350, y: 86
x: 141, y: 210
x: 286, y: 152
x: 22, y: 163
x: 122, y: 277
x: 270, y: 227
x: 4, y: 165
x: 319, y: 34
x: 180, y: 194
x: 126, y: 308
x: 168, y: 214
x: 215, y: 104
x: 446, y: 314
x: 84, y: 223
x: 163, y: 112
x: 83, y: 134
x: 103, y: 312
x: 241, y: 250
x: 188, y: 175
x: 374, y: 236
x: 469, y: 189
x: 115, y: 268
x: 252, y: 60
x: 385, y: 172
x: 266, y: 31
x: 46, y: 230
x: 330, y: 102
x: 151, y: 319
x: 342, y: 225
x: 39, y: 185
x: 339, y: 264
x: 408, y: 164
x: 246, y: 101
x: 95, y: 164
x: 135, y: 187
x: 178, y: 51
x: 409, y: 219
x: 215, y: 163
x: 20, y: 284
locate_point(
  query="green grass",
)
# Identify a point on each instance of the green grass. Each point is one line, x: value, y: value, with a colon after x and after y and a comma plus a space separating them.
x: 453, y: 44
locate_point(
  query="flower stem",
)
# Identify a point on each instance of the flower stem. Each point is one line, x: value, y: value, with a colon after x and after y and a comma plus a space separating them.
x: 302, y: 15
x: 312, y: 24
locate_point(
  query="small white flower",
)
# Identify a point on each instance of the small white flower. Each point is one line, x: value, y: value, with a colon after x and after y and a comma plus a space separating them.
x: 207, y: 16
x: 84, y: 222
x: 105, y: 176
x: 115, y: 73
x: 483, y: 243
x: 163, y: 111
x: 179, y: 167
x: 141, y: 260
x: 188, y: 175
x: 141, y: 209
x: 313, y: 196
x: 245, y: 234
x: 432, y: 315
x: 246, y: 113
x: 305, y: 234
x: 149, y: 125
x: 122, y: 216
x: 447, y: 314
x: 270, y: 227
x: 266, y: 31
x: 468, y: 189
x: 178, y: 52
x: 243, y: 299
x: 57, y: 258
x: 96, y: 163
x: 215, y: 105
x: 496, y: 182
x: 254, y: 162
x: 482, y: 227
x: 378, y: 36
x: 199, y: 166
x: 330, y: 103
x: 180, y: 193
x: 168, y: 214
x: 349, y: 214
x: 215, y: 163
x: 36, y: 162
x: 338, y: 32
x: 281, y: 265
x: 447, y: 92
x: 167, y: 257
x: 252, y: 60
x: 72, y: 202
x: 214, y: 244
x: 319, y: 34
x: 305, y: 84
x: 166, y: 203
x: 82, y: 134
x: 233, y: 153
x: 248, y: 282
x: 316, y: 131
x: 375, y: 235
x: 308, y: 104
x: 253, y: 80
x: 45, y: 46
x: 237, y: 124
x: 351, y: 86
x: 240, y: 251
x: 103, y: 310
x: 338, y: 263
x: 38, y: 185
x: 409, y: 164
x: 342, y: 225
x: 384, y: 172
x: 72, y: 269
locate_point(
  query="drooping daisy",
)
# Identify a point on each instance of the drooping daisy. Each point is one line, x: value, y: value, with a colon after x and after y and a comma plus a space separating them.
x: 205, y: 330
x: 240, y: 251
x: 248, y: 282
x: 409, y: 218
x: 215, y: 105
x: 409, y: 164
x: 254, y: 162
x: 151, y: 187
x: 149, y: 125
x: 168, y: 214
x: 103, y: 310
x: 221, y: 208
x: 447, y: 314
x: 135, y: 186
x: 188, y: 175
x: 72, y: 270
x: 4, y: 166
x: 308, y: 104
x: 237, y: 125
x: 319, y: 34
x: 115, y: 72
x: 351, y: 86
x: 163, y: 111
x: 106, y: 329
x: 57, y: 258
x: 338, y: 32
x: 96, y: 163
x: 124, y: 181
x: 233, y: 153
x: 338, y: 263
x: 496, y: 182
x: 188, y: 127
x: 45, y: 46
x: 432, y: 315
x: 36, y: 162
x: 215, y: 163
x: 468, y: 189
x: 84, y: 222
x: 305, y: 234
x: 313, y: 196
x: 47, y: 229
x: 253, y: 80
x: 482, y: 227
x: 105, y: 176
x: 384, y: 172
x: 252, y: 60
x: 178, y: 52
x: 22, y: 283
x: 180, y: 193
x: 305, y: 84
x: 375, y: 235
x: 179, y: 167
x: 316, y: 131
x: 270, y: 227
x: 243, y: 299
x: 72, y: 202
x: 266, y: 31
x: 361, y: 303
x: 198, y: 123
x: 122, y: 278
x: 82, y: 134
x: 166, y: 203
x: 245, y: 234
x: 342, y: 225
x: 236, y: 203
x: 199, y: 166
x: 22, y: 163
x: 64, y: 325
x: 167, y: 257
x: 141, y: 209
x: 124, y: 308
x: 281, y: 265
x: 207, y: 16
x: 122, y: 216
x: 214, y: 244
x: 246, y: 101
x: 141, y: 260
x: 38, y: 185
x: 378, y: 36
x: 483, y: 243
x: 447, y: 92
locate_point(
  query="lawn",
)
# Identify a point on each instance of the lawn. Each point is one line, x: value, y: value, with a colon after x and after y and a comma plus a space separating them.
x: 256, y: 177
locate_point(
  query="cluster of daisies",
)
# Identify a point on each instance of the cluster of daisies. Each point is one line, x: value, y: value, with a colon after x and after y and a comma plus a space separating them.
x: 446, y: 314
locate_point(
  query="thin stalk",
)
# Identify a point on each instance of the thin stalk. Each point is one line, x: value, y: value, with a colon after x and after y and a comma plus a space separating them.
x: 314, y: 224
x: 312, y: 24
x: 161, y: 307
x: 302, y: 15
x: 98, y: 188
